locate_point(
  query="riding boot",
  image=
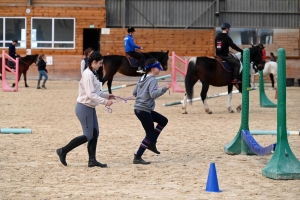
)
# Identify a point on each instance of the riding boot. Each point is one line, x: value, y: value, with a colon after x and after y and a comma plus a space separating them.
x: 152, y: 147
x: 38, y: 84
x: 139, y: 160
x: 43, y: 86
x: 92, y: 146
x: 62, y: 152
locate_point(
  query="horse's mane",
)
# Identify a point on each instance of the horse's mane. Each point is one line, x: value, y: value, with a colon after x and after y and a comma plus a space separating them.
x: 30, y: 56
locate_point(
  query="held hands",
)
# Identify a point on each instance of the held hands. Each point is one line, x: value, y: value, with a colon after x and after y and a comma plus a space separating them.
x: 141, y: 48
x: 111, y: 96
x: 169, y: 85
x: 109, y: 103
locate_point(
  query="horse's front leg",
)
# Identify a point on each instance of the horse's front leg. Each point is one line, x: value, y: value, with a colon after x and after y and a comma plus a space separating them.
x: 184, y: 105
x: 203, y: 97
x: 25, y: 79
x: 229, y: 90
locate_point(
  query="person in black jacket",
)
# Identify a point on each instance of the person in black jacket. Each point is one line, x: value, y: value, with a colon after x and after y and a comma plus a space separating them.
x: 12, y: 52
x: 42, y: 71
x: 222, y: 44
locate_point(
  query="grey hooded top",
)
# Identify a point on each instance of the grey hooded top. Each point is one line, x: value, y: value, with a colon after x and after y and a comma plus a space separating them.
x: 146, y: 91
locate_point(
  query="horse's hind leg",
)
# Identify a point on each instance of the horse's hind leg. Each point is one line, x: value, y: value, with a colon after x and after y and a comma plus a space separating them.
x: 184, y: 105
x: 203, y: 97
x: 25, y: 79
x: 13, y: 85
x: 109, y: 82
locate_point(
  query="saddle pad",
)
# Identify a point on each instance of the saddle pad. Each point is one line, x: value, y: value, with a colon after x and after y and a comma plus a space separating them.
x: 132, y: 61
x: 226, y: 66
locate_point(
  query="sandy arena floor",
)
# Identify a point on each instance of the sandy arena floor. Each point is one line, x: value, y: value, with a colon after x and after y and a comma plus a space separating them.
x: 30, y: 169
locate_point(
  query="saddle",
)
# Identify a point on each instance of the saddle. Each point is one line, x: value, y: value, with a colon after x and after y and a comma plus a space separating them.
x: 132, y: 61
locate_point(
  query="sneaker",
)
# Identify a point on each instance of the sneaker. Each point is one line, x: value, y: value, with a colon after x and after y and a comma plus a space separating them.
x: 256, y: 73
x: 43, y: 86
x: 139, y: 160
x: 234, y: 81
x: 140, y: 70
x: 38, y: 87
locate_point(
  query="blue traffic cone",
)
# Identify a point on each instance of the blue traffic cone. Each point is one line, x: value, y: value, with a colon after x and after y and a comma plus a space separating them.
x: 212, y: 184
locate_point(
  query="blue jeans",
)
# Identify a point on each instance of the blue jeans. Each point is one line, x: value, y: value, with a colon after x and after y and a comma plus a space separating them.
x: 42, y: 73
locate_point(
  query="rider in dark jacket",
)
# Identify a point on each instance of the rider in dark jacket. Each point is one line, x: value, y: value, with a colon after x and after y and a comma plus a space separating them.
x: 222, y: 44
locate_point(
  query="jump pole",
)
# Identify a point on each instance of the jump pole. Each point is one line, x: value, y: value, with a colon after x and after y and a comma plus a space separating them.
x: 208, y: 97
x: 123, y: 86
x: 272, y: 132
x: 15, y: 130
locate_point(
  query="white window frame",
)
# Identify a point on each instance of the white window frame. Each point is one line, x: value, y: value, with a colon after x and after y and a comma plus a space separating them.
x: 4, y: 41
x: 54, y: 42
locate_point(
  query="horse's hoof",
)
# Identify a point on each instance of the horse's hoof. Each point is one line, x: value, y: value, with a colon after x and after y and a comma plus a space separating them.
x: 26, y: 86
x: 231, y: 111
x: 185, y: 112
x: 238, y: 110
x: 209, y: 112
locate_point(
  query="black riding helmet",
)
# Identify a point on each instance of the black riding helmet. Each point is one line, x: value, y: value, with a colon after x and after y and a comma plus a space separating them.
x: 261, y: 45
x: 225, y: 25
x: 130, y: 30
x: 15, y: 40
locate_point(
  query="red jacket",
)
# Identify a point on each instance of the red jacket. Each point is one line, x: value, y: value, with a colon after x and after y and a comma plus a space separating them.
x: 264, y: 55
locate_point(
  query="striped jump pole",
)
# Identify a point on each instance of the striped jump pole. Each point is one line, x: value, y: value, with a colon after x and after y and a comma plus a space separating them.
x: 132, y: 84
x: 208, y: 97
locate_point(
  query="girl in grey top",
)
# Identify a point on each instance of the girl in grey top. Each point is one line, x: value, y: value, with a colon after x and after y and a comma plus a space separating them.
x: 146, y: 91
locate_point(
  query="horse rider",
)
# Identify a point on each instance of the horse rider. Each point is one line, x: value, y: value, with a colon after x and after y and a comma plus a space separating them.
x: 130, y: 47
x: 222, y: 44
x: 12, y: 51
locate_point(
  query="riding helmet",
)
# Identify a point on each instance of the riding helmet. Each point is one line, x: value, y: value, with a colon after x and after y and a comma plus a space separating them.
x: 225, y: 25
x: 130, y: 30
x: 15, y: 40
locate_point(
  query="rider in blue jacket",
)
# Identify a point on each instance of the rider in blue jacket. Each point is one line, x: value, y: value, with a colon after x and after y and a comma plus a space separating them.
x: 130, y: 47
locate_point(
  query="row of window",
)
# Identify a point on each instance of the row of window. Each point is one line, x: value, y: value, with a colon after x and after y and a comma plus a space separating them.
x: 46, y: 33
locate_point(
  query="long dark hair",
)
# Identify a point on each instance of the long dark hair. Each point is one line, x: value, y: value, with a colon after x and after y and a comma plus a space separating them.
x: 94, y: 56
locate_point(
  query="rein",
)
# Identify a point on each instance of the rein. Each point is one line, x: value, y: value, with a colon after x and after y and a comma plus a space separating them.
x: 109, y: 109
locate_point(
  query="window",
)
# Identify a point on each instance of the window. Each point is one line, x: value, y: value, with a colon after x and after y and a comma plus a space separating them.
x: 58, y: 33
x: 11, y: 28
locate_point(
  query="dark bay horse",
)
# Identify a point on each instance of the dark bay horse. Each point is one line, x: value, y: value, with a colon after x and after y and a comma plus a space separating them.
x: 210, y: 72
x: 117, y: 63
x: 24, y: 63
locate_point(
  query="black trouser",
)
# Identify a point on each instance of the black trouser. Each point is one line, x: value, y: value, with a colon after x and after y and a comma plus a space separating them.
x: 139, y: 56
x: 147, y: 119
x: 233, y: 63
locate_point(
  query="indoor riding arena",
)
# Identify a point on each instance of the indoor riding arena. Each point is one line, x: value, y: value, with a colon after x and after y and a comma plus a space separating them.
x: 202, y: 156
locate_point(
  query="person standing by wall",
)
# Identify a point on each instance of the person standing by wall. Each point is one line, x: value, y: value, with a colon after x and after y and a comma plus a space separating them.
x: 42, y: 71
x: 89, y: 97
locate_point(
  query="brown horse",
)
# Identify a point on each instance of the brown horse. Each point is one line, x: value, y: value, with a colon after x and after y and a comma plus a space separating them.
x: 24, y: 63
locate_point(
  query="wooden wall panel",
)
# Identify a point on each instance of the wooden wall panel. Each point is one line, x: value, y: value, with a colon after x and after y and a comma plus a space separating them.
x: 85, y: 3
x: 183, y: 42
x: 13, y: 3
x: 84, y: 17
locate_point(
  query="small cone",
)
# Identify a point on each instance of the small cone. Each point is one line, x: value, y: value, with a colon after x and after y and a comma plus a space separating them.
x: 212, y: 184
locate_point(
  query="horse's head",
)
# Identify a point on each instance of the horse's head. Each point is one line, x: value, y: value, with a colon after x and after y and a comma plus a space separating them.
x: 164, y: 60
x: 162, y: 57
x: 256, y: 57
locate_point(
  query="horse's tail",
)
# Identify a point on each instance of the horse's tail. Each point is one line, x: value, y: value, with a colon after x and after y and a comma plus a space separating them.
x: 189, y: 78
